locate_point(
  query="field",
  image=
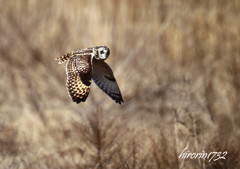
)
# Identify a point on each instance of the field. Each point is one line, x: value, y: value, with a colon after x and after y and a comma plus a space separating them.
x: 177, y: 64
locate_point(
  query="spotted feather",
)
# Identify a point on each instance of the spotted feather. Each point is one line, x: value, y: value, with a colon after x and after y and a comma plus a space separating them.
x: 84, y: 65
x: 78, y: 83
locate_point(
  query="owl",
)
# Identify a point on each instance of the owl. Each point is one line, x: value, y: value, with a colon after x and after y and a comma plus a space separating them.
x: 84, y: 65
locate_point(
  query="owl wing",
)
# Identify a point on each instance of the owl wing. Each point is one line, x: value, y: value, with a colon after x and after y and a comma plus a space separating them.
x: 79, y: 81
x: 64, y: 58
x: 105, y: 80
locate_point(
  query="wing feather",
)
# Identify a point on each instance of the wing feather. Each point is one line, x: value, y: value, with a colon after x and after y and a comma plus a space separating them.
x: 78, y: 82
x: 105, y: 80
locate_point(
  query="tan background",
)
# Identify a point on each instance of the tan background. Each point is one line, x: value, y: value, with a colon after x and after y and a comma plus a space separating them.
x: 177, y: 64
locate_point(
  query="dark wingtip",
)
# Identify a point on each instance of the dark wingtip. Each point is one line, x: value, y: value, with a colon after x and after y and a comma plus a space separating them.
x: 78, y: 100
x: 120, y: 101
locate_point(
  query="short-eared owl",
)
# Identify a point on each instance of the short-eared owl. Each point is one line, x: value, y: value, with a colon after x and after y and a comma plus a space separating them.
x: 86, y: 64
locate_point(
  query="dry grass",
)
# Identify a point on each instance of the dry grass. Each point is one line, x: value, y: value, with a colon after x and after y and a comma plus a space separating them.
x: 177, y: 64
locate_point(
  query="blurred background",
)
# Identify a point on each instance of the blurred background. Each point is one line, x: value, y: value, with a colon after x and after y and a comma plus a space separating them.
x: 177, y: 64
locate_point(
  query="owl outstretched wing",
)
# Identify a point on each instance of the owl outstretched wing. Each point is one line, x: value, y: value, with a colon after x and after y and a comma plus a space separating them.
x: 105, y: 80
x: 79, y: 73
x: 64, y: 58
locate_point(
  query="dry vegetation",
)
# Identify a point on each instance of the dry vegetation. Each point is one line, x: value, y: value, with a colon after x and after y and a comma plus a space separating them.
x: 177, y: 64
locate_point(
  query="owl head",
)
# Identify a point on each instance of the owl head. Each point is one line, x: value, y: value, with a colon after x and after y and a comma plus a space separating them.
x: 102, y: 53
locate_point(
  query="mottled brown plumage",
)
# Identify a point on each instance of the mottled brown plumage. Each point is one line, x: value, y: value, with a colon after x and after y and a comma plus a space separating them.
x: 79, y: 75
x: 84, y: 65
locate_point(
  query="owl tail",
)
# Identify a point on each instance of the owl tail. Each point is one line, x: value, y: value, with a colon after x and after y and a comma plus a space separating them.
x: 64, y: 58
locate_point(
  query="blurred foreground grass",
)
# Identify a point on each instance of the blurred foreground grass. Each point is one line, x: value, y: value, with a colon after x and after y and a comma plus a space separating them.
x: 176, y: 62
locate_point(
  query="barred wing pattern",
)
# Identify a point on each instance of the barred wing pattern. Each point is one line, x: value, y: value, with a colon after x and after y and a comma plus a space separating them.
x: 84, y: 65
x: 79, y: 73
x: 64, y: 58
x: 105, y: 80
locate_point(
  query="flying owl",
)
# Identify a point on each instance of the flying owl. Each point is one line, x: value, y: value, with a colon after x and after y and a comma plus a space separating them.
x: 84, y: 65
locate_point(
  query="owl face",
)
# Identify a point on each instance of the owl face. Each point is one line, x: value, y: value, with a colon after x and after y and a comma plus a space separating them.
x: 102, y: 53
